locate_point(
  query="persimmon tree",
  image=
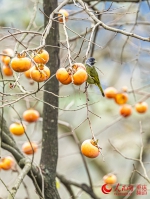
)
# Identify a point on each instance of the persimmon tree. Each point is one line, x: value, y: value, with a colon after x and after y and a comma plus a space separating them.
x: 44, y: 92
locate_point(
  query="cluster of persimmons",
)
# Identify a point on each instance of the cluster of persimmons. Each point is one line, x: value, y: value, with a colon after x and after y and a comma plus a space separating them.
x: 33, y: 66
x: 75, y: 74
x: 19, y: 129
x: 37, y: 70
x: 121, y: 98
x: 21, y: 63
x: 39, y: 73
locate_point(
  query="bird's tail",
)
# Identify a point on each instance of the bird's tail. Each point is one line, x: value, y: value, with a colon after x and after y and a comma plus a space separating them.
x: 100, y: 88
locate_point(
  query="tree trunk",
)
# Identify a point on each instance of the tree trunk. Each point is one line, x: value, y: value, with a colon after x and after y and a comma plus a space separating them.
x: 50, y: 115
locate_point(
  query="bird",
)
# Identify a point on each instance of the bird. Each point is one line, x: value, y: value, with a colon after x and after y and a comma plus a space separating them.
x: 93, y: 77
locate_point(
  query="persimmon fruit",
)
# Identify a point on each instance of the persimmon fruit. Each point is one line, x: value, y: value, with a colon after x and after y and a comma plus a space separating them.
x: 20, y: 63
x: 126, y: 110
x: 31, y: 115
x: 65, y: 13
x: 141, y: 107
x: 40, y: 73
x: 110, y: 92
x: 90, y: 149
x: 76, y: 75
x: 121, y: 98
x: 7, y: 163
x: 1, y: 164
x: 6, y: 59
x: 78, y: 66
x: 63, y: 76
x: 41, y: 57
x: 17, y: 129
x: 27, y: 149
x: 110, y: 179
x: 28, y: 73
x: 79, y: 77
x: 7, y: 70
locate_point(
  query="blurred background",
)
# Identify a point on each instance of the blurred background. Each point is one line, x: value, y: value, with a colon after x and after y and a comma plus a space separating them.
x: 122, y: 61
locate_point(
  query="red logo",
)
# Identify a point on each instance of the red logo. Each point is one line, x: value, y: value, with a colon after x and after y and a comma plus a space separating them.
x: 106, y: 189
x: 123, y: 190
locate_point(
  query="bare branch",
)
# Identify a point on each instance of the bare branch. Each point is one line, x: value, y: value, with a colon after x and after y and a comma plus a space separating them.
x: 110, y: 28
x: 84, y: 187
x: 20, y: 178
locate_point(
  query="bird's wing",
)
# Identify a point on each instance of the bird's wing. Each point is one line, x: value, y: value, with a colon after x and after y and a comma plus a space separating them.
x: 87, y: 69
x: 94, y: 74
x: 90, y: 79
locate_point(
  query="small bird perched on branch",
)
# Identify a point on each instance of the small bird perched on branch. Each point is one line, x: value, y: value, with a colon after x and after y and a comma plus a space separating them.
x: 93, y: 77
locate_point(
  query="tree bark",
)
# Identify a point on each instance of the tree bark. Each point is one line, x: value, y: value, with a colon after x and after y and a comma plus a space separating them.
x: 50, y: 115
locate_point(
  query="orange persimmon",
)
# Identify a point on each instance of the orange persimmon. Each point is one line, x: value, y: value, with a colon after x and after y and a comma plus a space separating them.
x: 28, y: 149
x: 65, y: 13
x: 126, y: 110
x: 121, y: 98
x: 27, y: 73
x: 17, y: 129
x: 31, y: 115
x: 6, y: 59
x: 7, y: 70
x: 90, y: 149
x: 41, y: 56
x: 110, y: 179
x: 40, y: 73
x: 63, y: 76
x: 141, y: 107
x: 110, y: 92
x: 79, y: 77
x: 20, y: 63
x: 7, y: 163
x: 77, y: 66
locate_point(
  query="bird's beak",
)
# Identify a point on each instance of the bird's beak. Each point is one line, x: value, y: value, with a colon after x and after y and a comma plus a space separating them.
x: 95, y: 61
